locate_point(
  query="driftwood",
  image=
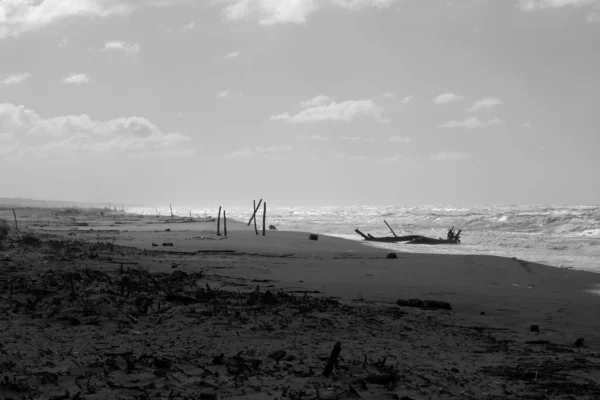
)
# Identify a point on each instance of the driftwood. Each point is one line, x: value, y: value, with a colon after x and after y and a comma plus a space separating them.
x: 219, y: 222
x: 412, y: 239
x: 264, y: 217
x: 255, y: 211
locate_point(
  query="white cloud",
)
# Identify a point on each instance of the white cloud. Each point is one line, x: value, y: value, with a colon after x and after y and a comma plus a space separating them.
x: 128, y: 48
x: 393, y: 159
x: 189, y: 26
x: 407, y: 99
x: 532, y: 5
x: 593, y: 18
x: 76, y: 79
x: 19, y: 16
x: 346, y: 111
x: 317, y: 101
x: 266, y: 152
x: 223, y: 93
x: 358, y: 139
x: 81, y: 133
x: 472, y: 123
x: 399, y: 139
x: 447, y: 98
x: 485, y: 103
x: 231, y: 55
x: 16, y: 79
x: 389, y: 95
x: 450, y: 155
x: 270, y: 12
x: 316, y: 138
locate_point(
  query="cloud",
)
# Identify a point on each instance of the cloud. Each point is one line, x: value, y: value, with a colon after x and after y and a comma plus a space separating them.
x: 450, y: 155
x: 128, y: 48
x: 231, y: 55
x: 76, y: 79
x: 19, y: 16
x: 358, y: 139
x: 533, y: 5
x: 393, y: 159
x: 485, y: 103
x: 270, y: 12
x: 389, y: 95
x: 316, y: 138
x: 223, y: 93
x: 266, y: 152
x: 399, y: 139
x: 447, y: 98
x: 83, y: 134
x: 472, y: 123
x: 317, y: 101
x: 593, y: 18
x: 407, y: 99
x: 16, y: 79
x: 188, y: 27
x: 346, y: 111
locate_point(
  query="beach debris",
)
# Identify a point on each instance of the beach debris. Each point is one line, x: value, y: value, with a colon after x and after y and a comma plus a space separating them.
x: 579, y: 342
x: 219, y: 222
x: 452, y: 238
x: 425, y: 304
x: 391, y: 255
x: 332, y: 361
x: 534, y: 328
x: 269, y: 298
x: 264, y: 231
x: 313, y: 236
x: 278, y: 355
x: 168, y: 244
x: 154, y: 244
x: 168, y: 230
x: 272, y: 227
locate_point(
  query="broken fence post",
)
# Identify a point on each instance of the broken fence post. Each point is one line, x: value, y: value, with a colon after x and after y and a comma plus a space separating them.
x: 255, y: 211
x: 264, y: 217
x: 219, y: 223
x: 224, y: 222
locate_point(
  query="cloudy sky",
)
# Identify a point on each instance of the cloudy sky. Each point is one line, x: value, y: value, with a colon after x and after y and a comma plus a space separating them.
x: 302, y: 102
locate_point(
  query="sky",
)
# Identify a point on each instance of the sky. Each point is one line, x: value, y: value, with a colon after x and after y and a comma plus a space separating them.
x: 301, y: 102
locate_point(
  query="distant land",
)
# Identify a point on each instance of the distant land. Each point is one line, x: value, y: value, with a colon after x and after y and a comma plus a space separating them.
x: 6, y: 202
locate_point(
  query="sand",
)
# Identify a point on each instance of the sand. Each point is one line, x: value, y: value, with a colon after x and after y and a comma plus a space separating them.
x: 483, y: 348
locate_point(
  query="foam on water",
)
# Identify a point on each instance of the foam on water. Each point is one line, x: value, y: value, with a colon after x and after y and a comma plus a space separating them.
x: 561, y: 236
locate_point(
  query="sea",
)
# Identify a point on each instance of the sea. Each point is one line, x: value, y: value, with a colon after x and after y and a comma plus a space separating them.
x: 559, y: 236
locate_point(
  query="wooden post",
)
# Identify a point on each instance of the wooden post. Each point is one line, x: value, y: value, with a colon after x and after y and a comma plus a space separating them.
x: 332, y: 359
x: 224, y: 222
x: 219, y: 223
x: 264, y: 216
x: 255, y: 211
x: 390, y: 228
x: 16, y: 224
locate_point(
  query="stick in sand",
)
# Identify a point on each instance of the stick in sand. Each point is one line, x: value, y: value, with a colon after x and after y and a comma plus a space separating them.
x: 332, y: 359
x: 16, y: 224
x: 219, y: 223
x: 264, y: 216
x: 254, y: 216
x: 224, y: 222
x: 388, y: 225
x: 255, y: 211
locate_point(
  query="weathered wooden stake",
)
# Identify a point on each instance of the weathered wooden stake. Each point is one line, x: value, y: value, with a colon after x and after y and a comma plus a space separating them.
x: 390, y: 228
x: 219, y: 223
x: 255, y: 211
x: 332, y: 359
x: 16, y: 224
x: 255, y: 208
x: 224, y: 222
x: 264, y: 217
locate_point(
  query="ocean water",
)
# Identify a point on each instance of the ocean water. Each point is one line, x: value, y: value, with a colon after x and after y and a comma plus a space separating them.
x: 560, y: 236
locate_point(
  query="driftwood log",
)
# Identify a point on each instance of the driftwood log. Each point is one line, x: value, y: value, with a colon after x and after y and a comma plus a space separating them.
x: 412, y: 239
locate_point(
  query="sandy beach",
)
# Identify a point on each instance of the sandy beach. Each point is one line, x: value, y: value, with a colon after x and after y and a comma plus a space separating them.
x: 253, y: 316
